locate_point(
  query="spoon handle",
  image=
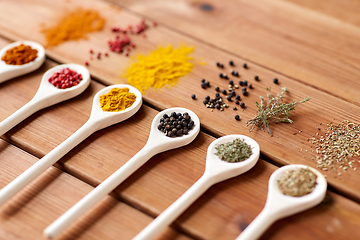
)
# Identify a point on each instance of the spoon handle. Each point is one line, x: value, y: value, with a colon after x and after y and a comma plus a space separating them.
x: 99, y: 192
x: 175, y: 209
x: 49, y: 159
x: 258, y: 226
x: 25, y: 111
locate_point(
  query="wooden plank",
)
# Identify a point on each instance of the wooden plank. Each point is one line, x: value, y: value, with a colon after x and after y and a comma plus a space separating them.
x: 230, y: 205
x: 309, y: 47
x: 27, y: 214
x: 306, y: 116
x: 346, y: 11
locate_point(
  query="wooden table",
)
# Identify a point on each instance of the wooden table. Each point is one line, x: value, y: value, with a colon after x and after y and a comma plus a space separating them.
x: 310, y: 46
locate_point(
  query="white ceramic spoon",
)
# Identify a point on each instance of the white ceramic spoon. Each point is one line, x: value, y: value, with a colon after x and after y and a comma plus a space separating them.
x: 47, y: 95
x: 98, y: 120
x: 156, y: 143
x: 216, y: 171
x: 279, y: 205
x: 11, y: 71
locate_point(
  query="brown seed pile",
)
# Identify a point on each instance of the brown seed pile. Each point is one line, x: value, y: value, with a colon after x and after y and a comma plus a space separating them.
x: 338, y: 147
x: 297, y: 183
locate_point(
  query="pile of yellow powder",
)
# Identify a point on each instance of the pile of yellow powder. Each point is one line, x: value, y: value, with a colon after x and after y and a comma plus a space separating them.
x: 161, y: 67
x: 73, y: 25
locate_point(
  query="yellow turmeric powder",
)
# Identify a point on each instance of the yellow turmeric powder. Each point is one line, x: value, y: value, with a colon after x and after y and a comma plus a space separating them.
x: 73, y: 26
x: 163, y: 66
x: 118, y: 99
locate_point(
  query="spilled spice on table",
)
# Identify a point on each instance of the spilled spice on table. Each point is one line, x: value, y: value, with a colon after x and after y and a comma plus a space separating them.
x: 338, y: 147
x: 164, y: 66
x: 73, y: 25
x: 273, y: 110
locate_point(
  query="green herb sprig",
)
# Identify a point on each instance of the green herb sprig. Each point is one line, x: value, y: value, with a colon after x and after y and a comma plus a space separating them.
x: 273, y: 110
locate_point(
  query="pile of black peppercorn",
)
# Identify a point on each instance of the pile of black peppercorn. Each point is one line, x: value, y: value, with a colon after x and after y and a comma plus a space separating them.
x: 176, y: 125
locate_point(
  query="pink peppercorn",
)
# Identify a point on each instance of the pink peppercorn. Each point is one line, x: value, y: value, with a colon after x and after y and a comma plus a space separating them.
x: 86, y: 63
x: 66, y: 78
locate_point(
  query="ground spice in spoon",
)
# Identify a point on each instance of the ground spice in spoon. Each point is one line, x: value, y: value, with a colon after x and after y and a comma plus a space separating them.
x: 19, y: 55
x: 118, y: 99
x: 234, y: 151
x: 297, y: 183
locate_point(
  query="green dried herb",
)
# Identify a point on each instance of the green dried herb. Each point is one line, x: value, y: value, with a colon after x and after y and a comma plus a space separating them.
x: 297, y: 183
x: 273, y: 110
x: 235, y: 151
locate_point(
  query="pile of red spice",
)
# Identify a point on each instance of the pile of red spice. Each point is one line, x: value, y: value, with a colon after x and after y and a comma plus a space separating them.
x: 122, y: 42
x: 66, y: 78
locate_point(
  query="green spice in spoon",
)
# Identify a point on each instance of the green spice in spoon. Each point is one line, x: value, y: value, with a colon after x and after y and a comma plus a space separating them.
x: 234, y: 151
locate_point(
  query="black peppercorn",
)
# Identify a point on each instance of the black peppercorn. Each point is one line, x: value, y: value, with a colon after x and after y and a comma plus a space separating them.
x: 221, y: 75
x: 231, y: 63
x: 276, y: 81
x: 193, y: 96
x: 256, y: 78
x: 218, y: 106
x: 237, y: 102
x: 219, y: 65
x: 234, y: 108
x: 225, y: 76
x: 229, y: 98
x: 205, y: 101
x: 185, y: 131
x: 224, y: 92
x: 235, y: 73
x: 231, y: 82
x: 250, y: 86
x: 217, y: 94
x: 237, y: 97
x: 242, y: 105
x: 241, y: 83
x: 245, y: 83
x: 217, y: 89
x: 207, y: 84
x: 237, y: 117
x: 207, y: 98
x: 245, y: 65
x: 203, y: 85
x: 202, y: 80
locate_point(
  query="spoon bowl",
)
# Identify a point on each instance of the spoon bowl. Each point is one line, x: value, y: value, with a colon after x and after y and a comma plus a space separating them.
x: 47, y: 95
x: 8, y: 71
x: 279, y: 205
x: 97, y: 121
x: 105, y: 119
x: 216, y: 170
x: 156, y: 143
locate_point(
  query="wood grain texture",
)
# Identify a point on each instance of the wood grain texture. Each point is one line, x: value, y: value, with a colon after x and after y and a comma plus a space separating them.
x: 217, y: 123
x: 230, y: 205
x: 312, y: 48
x: 29, y: 212
x: 346, y: 11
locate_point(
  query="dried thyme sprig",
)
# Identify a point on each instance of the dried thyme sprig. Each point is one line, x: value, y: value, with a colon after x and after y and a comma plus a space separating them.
x: 273, y: 110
